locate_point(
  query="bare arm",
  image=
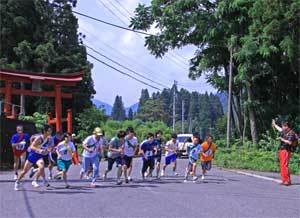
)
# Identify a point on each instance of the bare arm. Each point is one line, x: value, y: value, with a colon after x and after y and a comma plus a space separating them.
x: 34, y: 146
x: 86, y: 148
x: 286, y: 141
x: 274, y: 125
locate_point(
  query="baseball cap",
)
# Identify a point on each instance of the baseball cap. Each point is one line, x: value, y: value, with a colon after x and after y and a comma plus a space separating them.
x: 98, y: 131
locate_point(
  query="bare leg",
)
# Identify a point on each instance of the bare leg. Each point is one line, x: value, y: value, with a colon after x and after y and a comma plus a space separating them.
x: 157, y: 168
x: 41, y: 169
x: 23, y: 159
x: 175, y: 166
x: 26, y: 168
x: 16, y: 164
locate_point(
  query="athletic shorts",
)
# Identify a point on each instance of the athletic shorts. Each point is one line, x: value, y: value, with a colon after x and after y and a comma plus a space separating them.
x: 206, y: 165
x: 64, y: 165
x: 148, y: 164
x: 171, y: 158
x: 128, y: 161
x: 18, y: 153
x: 34, y: 157
x: 110, y: 162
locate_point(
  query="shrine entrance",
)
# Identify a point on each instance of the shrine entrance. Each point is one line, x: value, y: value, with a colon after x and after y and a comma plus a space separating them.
x: 37, y: 81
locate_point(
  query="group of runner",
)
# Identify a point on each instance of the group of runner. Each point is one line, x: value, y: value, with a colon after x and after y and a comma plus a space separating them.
x: 122, y: 148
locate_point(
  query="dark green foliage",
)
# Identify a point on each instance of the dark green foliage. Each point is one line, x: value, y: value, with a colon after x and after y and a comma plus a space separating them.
x: 118, y: 110
x: 36, y: 36
x: 130, y: 114
x: 264, y: 35
x: 201, y: 111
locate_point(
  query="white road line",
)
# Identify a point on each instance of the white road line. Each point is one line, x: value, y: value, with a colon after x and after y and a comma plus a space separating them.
x: 255, y: 175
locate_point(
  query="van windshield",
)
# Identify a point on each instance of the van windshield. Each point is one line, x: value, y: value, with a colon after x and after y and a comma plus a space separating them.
x: 182, y: 139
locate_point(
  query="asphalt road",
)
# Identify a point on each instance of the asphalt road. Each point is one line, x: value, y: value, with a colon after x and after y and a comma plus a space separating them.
x: 222, y: 194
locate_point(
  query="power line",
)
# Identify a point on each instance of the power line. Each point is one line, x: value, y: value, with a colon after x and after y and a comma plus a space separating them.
x: 120, y: 11
x: 107, y: 23
x: 124, y: 8
x: 173, y: 58
x: 131, y: 14
x: 121, y: 55
x: 117, y: 63
x: 122, y: 72
x: 112, y: 12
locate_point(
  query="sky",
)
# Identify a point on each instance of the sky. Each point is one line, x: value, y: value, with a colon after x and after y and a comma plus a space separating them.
x: 128, y: 49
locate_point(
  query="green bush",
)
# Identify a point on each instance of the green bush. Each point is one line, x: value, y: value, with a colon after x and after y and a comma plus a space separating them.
x: 37, y: 118
x: 253, y: 159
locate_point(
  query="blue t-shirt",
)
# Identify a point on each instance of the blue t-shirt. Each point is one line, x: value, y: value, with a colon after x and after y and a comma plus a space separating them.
x: 148, y: 148
x: 194, y: 151
x: 22, y: 139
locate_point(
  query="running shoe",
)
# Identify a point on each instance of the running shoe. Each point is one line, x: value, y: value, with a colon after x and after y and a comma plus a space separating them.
x: 15, y: 176
x: 202, y: 177
x: 119, y: 182
x: 93, y: 185
x: 104, y: 176
x: 17, y: 186
x: 162, y: 173
x: 35, y: 184
x: 46, y: 184
x: 126, y: 181
x: 81, y: 175
x: 185, y: 181
x: 195, y: 178
x: 129, y: 178
x: 176, y: 174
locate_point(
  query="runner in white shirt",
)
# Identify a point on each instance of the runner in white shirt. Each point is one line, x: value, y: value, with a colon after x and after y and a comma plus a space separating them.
x: 131, y: 146
x: 171, y: 154
x: 64, y: 151
x: 92, y: 146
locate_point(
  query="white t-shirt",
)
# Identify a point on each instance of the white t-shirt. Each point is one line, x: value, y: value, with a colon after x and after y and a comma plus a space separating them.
x: 130, y: 146
x: 171, y: 145
x: 65, y: 151
x: 91, y: 142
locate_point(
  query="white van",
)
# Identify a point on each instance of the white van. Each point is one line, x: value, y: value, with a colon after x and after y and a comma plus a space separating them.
x: 183, y: 141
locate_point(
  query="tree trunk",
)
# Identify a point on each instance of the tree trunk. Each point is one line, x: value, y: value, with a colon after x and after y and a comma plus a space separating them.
x: 252, y: 116
x: 236, y: 103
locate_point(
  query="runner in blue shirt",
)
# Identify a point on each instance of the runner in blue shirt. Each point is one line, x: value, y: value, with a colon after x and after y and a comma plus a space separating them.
x: 194, y: 151
x: 39, y: 148
x: 148, y: 148
x: 19, y: 143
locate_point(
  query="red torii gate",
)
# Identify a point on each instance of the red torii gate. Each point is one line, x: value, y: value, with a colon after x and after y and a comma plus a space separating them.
x: 38, y: 79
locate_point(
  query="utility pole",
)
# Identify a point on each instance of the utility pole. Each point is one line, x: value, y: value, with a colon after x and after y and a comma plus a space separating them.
x: 174, y: 99
x: 228, y: 135
x: 182, y: 116
x: 190, y: 124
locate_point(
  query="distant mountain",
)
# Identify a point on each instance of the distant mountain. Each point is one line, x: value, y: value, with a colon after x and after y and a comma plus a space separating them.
x: 223, y: 98
x: 108, y: 108
x: 105, y: 106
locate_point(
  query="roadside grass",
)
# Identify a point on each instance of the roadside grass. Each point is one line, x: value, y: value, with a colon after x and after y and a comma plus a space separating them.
x: 251, y: 158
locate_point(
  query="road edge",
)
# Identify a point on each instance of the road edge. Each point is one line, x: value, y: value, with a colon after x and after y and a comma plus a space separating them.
x: 251, y: 175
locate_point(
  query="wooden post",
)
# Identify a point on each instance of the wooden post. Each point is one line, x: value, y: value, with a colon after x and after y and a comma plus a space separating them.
x: 8, y: 95
x: 49, y: 118
x: 69, y: 121
x: 58, y: 108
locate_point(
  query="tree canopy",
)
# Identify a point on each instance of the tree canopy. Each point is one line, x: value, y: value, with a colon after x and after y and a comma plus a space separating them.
x: 264, y: 36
